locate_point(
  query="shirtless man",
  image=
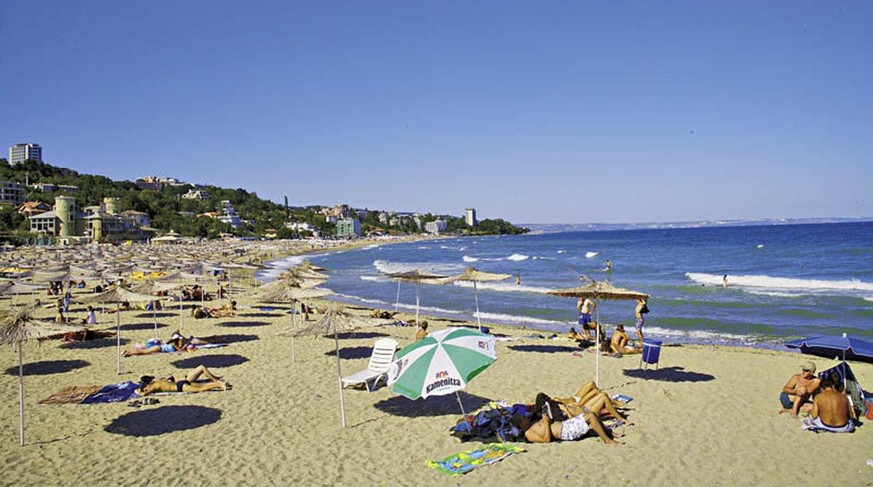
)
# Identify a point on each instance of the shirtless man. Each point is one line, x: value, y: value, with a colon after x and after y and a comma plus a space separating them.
x: 831, y: 409
x: 151, y: 385
x: 799, y: 389
x: 619, y: 342
x: 638, y: 317
x: 585, y: 307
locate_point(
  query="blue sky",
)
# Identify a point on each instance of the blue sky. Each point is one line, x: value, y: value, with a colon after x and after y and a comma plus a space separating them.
x: 537, y: 112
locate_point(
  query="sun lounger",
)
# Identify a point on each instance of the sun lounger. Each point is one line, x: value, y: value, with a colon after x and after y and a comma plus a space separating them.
x: 380, y: 361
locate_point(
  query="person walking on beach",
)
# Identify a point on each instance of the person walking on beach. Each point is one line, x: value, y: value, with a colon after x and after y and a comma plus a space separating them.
x: 585, y: 307
x: 641, y: 309
x: 799, y: 388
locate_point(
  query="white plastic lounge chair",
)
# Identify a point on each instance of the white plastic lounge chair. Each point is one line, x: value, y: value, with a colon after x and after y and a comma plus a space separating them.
x: 380, y: 361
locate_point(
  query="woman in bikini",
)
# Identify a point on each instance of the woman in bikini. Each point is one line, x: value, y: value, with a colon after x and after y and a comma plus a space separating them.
x: 150, y: 385
x: 176, y: 343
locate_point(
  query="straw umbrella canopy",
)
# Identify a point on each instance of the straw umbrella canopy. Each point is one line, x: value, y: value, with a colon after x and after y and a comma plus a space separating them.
x: 17, y: 327
x: 334, y: 322
x: 598, y: 290
x: 118, y: 295
x: 289, y: 294
x: 471, y: 274
x: 416, y: 276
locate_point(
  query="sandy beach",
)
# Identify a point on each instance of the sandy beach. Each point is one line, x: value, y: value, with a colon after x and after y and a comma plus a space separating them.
x: 706, y: 416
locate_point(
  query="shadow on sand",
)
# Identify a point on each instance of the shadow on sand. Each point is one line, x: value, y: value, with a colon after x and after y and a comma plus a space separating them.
x: 260, y: 315
x: 162, y: 420
x: 432, y: 406
x: 230, y: 338
x: 544, y: 348
x: 243, y: 324
x: 161, y: 314
x: 49, y: 367
x: 210, y: 361
x: 352, y: 352
x: 142, y: 326
x: 352, y: 335
x: 93, y: 344
x: 669, y: 374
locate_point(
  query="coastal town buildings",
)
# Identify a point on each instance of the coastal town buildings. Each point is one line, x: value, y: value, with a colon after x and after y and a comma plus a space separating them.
x: 51, y: 187
x: 470, y: 217
x: 196, y: 194
x: 99, y: 223
x: 348, y: 228
x: 12, y: 193
x: 19, y: 153
x: 435, y: 226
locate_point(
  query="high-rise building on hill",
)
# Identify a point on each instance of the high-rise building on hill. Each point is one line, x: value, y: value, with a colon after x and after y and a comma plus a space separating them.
x: 19, y: 153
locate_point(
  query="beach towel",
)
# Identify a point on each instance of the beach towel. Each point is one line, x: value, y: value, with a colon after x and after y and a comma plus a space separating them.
x: 815, y: 424
x: 465, y: 461
x: 623, y: 398
x: 113, y: 393
x: 70, y: 395
x: 491, y: 422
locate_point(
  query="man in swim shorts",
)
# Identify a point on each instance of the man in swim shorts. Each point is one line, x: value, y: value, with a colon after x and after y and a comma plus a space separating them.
x: 638, y: 317
x: 799, y: 388
x: 585, y: 307
x: 190, y: 384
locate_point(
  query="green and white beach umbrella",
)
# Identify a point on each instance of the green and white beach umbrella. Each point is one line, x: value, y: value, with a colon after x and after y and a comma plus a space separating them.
x: 441, y: 363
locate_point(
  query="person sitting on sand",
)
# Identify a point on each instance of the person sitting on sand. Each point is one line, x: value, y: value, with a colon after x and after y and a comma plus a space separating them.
x: 150, y: 385
x: 176, y: 343
x: 422, y: 331
x: 620, y: 342
x: 831, y: 410
x: 90, y: 318
x: 59, y: 317
x: 799, y: 388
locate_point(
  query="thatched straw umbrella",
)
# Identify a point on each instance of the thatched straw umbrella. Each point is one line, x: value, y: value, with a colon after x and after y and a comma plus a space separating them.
x: 416, y: 276
x: 16, y: 327
x: 598, y: 290
x: 334, y: 322
x: 471, y: 274
x: 290, y: 294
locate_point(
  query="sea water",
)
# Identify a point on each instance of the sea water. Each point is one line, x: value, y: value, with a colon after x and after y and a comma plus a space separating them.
x: 783, y: 281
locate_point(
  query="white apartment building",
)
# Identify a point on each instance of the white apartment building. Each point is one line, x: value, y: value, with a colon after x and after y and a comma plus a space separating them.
x: 19, y: 153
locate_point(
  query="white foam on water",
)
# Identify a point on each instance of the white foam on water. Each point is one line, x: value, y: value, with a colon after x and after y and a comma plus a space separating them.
x: 868, y: 298
x: 388, y: 267
x: 277, y: 267
x: 591, y: 255
x: 502, y: 287
x: 374, y: 278
x: 561, y: 251
x: 371, y: 247
x: 781, y: 284
x: 517, y: 257
x: 699, y: 335
x: 513, y: 319
x: 467, y: 258
x: 760, y: 246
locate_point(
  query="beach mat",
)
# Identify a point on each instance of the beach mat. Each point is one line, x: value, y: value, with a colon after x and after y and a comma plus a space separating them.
x: 70, y: 395
x: 465, y: 461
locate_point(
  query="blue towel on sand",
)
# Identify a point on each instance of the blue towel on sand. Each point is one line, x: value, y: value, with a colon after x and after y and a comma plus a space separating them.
x: 113, y: 393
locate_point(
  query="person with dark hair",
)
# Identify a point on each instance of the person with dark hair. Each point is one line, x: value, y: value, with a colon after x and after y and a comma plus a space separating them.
x: 619, y: 343
x: 176, y: 343
x: 831, y: 410
x: 191, y: 384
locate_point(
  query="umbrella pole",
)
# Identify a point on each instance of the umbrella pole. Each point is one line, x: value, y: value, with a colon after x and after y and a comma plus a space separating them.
x: 478, y: 319
x: 339, y: 377
x: 155, y: 317
x: 20, y: 395
x: 463, y: 413
x: 118, y: 337
x: 397, y: 301
x: 417, y: 323
x: 597, y: 344
x: 293, y: 325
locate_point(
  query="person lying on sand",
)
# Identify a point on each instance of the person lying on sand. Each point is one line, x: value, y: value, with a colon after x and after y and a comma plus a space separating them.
x: 588, y: 398
x: 799, y: 388
x: 385, y: 315
x: 619, y: 342
x: 224, y: 311
x: 150, y: 385
x: 176, y: 343
x: 553, y: 425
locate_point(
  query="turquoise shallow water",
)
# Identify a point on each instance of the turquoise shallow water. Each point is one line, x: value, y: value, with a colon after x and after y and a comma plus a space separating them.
x: 784, y: 281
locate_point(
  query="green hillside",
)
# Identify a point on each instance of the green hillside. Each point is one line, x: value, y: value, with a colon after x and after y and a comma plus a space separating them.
x: 169, y: 211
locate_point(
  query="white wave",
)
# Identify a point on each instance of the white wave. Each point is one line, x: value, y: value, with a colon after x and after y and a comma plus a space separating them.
x: 591, y: 255
x: 503, y: 287
x: 699, y: 335
x: 371, y: 247
x: 517, y: 257
x: 868, y: 298
x: 423, y: 247
x: 467, y: 258
x: 781, y: 283
x: 537, y: 257
x: 387, y: 267
x: 760, y: 246
x: 374, y: 278
x: 513, y: 319
x: 561, y: 251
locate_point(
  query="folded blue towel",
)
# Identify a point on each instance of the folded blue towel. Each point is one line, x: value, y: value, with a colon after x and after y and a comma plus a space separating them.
x: 623, y: 398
